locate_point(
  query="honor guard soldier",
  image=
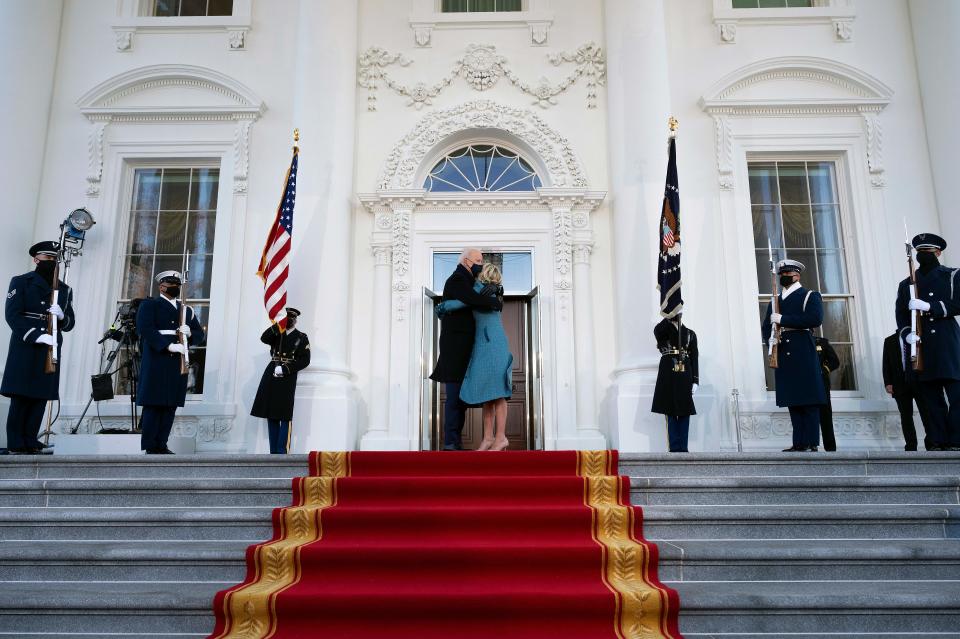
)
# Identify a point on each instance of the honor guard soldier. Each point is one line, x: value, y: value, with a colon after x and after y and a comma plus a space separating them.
x: 163, y: 387
x: 678, y: 379
x: 938, y: 301
x: 799, y: 384
x: 25, y: 380
x: 829, y: 362
x: 289, y: 354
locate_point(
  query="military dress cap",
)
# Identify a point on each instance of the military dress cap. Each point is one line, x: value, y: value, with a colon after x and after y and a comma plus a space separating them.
x: 292, y: 312
x: 45, y: 248
x: 169, y: 277
x: 929, y: 241
x: 790, y: 266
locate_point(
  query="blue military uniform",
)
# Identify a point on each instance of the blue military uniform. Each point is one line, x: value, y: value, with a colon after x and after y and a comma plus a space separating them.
x: 162, y: 388
x: 25, y: 380
x: 799, y: 384
x: 938, y: 286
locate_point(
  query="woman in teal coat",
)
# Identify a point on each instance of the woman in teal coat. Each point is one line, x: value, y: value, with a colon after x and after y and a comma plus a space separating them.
x: 489, y: 377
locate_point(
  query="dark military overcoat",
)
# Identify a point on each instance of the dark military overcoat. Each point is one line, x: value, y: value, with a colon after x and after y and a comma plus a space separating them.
x: 161, y: 383
x: 28, y: 299
x: 798, y: 378
x: 941, y: 336
x: 673, y: 394
x: 275, y: 395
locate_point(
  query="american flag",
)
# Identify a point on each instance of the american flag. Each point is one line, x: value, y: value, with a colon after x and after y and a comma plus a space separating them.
x: 668, y: 264
x: 275, y: 262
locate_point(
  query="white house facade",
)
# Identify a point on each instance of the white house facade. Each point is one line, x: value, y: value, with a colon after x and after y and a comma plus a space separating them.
x: 818, y: 125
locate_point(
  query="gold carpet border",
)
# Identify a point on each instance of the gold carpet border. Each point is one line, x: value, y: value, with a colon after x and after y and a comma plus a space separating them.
x: 642, y: 608
x: 250, y: 610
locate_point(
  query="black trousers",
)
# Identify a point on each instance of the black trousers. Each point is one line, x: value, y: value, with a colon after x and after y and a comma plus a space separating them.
x: 454, y: 415
x: 23, y: 422
x: 944, y: 424
x: 826, y: 425
x: 905, y: 398
x: 806, y: 425
x: 156, y: 423
x: 678, y: 432
x: 278, y: 431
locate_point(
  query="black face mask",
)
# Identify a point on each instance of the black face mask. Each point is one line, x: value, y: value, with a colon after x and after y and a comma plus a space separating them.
x: 45, y: 269
x: 927, y: 259
x: 475, y: 269
x: 786, y: 281
x: 173, y: 292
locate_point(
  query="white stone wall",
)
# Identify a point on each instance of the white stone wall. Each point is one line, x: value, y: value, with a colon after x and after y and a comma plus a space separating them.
x: 297, y: 58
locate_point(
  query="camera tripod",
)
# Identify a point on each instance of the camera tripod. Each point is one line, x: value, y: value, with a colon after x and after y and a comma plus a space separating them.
x: 131, y: 365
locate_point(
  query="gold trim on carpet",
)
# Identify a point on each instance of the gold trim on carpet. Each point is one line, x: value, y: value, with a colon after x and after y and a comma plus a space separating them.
x: 641, y: 608
x: 251, y: 610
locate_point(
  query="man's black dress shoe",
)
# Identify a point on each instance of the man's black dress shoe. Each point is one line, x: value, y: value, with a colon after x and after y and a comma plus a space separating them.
x: 450, y: 447
x: 792, y: 449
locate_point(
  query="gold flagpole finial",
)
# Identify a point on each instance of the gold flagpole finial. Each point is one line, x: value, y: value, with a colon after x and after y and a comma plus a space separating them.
x: 296, y: 138
x: 673, y: 124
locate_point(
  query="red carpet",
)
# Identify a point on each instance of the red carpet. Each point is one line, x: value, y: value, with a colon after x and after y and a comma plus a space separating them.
x: 472, y: 545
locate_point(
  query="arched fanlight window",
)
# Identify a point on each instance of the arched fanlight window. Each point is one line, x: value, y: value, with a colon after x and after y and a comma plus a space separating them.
x: 482, y: 167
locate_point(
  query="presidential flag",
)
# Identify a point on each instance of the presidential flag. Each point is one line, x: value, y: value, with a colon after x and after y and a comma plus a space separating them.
x: 668, y: 264
x: 275, y: 261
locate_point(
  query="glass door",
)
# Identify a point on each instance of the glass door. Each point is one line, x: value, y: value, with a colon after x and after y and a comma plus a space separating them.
x: 534, y: 370
x: 430, y: 435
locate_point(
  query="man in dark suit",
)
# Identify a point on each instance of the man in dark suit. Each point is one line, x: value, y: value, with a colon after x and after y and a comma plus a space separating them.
x: 938, y: 302
x: 799, y: 385
x: 456, y: 341
x: 903, y: 384
x: 25, y: 380
x: 162, y: 385
x: 829, y: 362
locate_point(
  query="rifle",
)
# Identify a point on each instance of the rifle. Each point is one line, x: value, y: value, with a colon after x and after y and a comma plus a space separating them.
x: 50, y: 366
x: 185, y: 356
x: 916, y: 326
x: 772, y: 359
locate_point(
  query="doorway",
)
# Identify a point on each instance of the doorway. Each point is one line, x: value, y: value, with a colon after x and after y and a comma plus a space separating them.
x: 521, y: 322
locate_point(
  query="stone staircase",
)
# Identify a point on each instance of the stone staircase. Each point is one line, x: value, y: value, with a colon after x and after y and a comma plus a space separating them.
x: 853, y: 545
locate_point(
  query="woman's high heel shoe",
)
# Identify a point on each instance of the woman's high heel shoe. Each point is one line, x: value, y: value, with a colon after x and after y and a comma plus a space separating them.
x: 485, y: 444
x: 501, y: 445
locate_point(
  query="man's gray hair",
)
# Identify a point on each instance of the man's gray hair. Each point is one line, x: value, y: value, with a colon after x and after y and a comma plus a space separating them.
x: 467, y: 251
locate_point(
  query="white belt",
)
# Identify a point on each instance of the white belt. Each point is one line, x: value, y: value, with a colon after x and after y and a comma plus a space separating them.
x: 167, y: 331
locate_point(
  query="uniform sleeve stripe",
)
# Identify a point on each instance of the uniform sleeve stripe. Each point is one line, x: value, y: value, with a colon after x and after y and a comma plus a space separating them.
x: 944, y: 307
x: 806, y: 299
x: 27, y: 334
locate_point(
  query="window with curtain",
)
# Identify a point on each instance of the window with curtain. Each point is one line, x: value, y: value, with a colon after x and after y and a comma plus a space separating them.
x: 173, y: 217
x: 182, y: 8
x: 776, y: 4
x: 474, y: 6
x: 482, y: 167
x: 795, y: 204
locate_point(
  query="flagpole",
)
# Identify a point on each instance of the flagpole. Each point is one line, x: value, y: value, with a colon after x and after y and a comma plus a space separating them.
x: 296, y: 140
x: 673, y: 123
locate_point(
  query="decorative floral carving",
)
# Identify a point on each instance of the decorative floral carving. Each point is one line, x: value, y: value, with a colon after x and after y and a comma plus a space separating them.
x: 237, y: 39
x: 422, y: 34
x: 241, y: 154
x: 123, y: 38
x: 401, y: 242
x: 874, y: 133
x: 728, y: 32
x: 562, y: 240
x: 554, y: 150
x: 95, y: 156
x: 214, y: 430
x: 581, y: 252
x: 539, y: 32
x: 481, y: 66
x: 843, y: 30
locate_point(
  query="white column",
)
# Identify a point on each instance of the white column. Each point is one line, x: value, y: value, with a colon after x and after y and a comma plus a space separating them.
x: 380, y: 347
x: 937, y: 48
x: 638, y: 106
x: 29, y: 41
x: 587, y: 422
x: 324, y: 110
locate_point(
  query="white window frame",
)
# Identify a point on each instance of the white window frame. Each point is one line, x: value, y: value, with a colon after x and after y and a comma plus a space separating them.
x: 839, y: 14
x: 133, y: 18
x: 123, y: 231
x: 849, y: 253
x: 535, y: 16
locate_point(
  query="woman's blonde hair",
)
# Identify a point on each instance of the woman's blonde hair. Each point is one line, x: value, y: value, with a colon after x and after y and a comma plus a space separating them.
x: 490, y: 274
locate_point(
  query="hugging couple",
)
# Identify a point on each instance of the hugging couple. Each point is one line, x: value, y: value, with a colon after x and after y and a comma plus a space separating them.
x: 475, y: 361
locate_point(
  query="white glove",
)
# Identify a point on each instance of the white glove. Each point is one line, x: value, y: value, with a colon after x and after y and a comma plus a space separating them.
x: 912, y: 338
x: 918, y: 305
x: 185, y: 330
x: 46, y: 339
x: 56, y: 310
x: 776, y: 317
x: 773, y: 341
x: 278, y: 371
x: 693, y: 389
x: 176, y: 348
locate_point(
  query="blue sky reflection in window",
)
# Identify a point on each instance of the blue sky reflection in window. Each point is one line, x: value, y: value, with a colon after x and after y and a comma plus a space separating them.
x: 482, y: 167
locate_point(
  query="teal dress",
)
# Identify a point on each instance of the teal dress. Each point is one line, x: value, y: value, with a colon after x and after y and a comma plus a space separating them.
x: 490, y: 372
